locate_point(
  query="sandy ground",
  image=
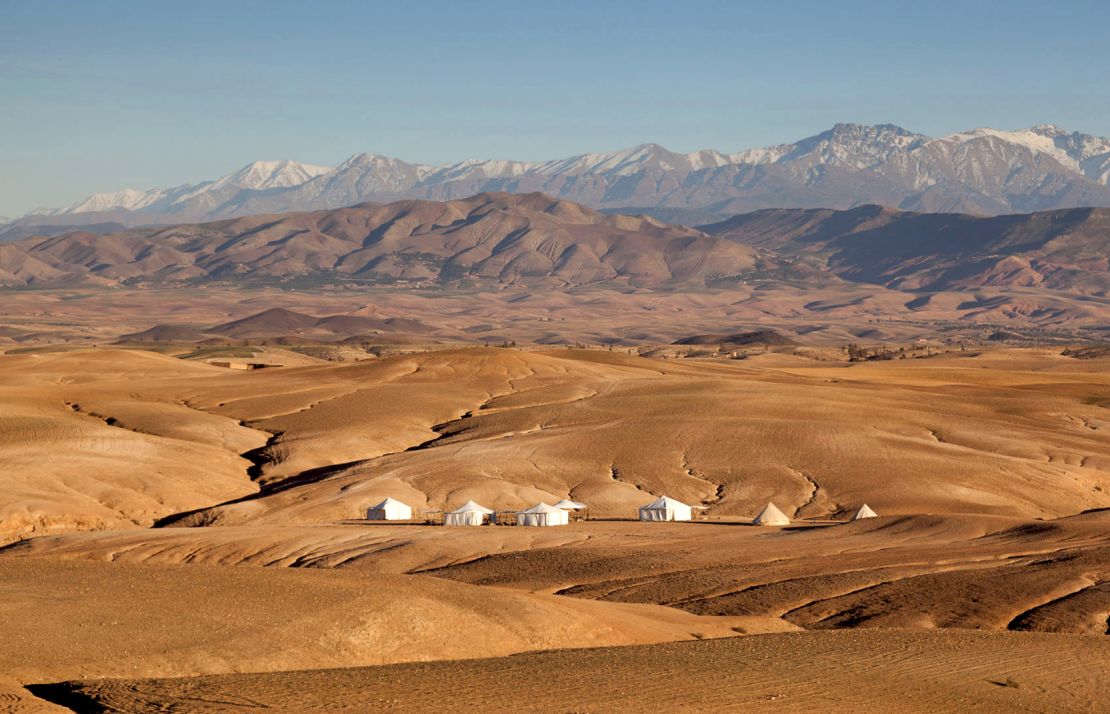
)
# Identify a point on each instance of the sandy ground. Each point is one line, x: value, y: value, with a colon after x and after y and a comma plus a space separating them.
x: 991, y: 474
x: 913, y: 571
x: 869, y: 671
x: 863, y: 313
x: 134, y: 437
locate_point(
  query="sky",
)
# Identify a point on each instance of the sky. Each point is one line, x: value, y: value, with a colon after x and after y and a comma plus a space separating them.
x: 100, y: 96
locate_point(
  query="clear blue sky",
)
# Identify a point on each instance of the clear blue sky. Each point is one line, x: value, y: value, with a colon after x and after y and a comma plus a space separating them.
x: 98, y: 96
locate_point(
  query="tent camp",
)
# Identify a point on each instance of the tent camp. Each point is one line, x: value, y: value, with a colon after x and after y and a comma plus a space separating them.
x: 468, y: 514
x: 542, y: 514
x: 771, y: 516
x: 568, y: 505
x: 665, y: 509
x: 389, y: 510
x: 864, y: 512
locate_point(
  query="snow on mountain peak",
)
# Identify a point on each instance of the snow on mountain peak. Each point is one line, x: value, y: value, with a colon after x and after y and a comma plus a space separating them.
x: 983, y: 159
x: 1042, y: 139
x: 129, y: 199
x: 1048, y: 130
x: 262, y: 175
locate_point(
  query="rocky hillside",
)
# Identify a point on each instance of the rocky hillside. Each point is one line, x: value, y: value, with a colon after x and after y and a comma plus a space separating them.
x: 1067, y: 250
x: 489, y: 239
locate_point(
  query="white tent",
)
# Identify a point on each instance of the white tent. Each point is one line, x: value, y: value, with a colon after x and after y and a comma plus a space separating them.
x: 665, y: 509
x: 542, y: 514
x: 864, y: 512
x: 389, y: 510
x: 568, y: 505
x: 771, y: 516
x: 468, y: 514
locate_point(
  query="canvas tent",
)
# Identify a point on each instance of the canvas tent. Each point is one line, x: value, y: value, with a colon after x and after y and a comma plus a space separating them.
x: 468, y: 514
x: 389, y: 510
x: 771, y: 516
x: 864, y: 512
x: 665, y: 509
x: 542, y: 514
x: 568, y: 505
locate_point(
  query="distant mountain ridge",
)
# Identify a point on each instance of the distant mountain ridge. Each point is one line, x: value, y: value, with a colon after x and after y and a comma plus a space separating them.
x: 1064, y: 250
x: 491, y: 239
x: 982, y: 171
x: 495, y: 241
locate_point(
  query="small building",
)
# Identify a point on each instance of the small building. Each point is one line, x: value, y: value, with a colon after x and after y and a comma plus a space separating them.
x: 227, y: 364
x: 542, y: 514
x: 389, y: 510
x: 666, y: 509
x: 771, y: 516
x: 468, y: 514
x: 864, y: 512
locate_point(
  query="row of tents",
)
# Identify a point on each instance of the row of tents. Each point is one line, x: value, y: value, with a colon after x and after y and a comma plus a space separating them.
x: 663, y: 508
x: 475, y: 514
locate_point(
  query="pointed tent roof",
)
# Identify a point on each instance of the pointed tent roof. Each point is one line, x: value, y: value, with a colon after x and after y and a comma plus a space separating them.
x: 568, y: 505
x: 542, y: 508
x: 864, y: 512
x: 771, y: 516
x: 388, y: 502
x: 665, y: 502
x: 472, y: 507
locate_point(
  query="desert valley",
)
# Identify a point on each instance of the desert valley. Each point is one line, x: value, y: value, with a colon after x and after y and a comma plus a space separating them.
x: 554, y: 357
x: 196, y: 418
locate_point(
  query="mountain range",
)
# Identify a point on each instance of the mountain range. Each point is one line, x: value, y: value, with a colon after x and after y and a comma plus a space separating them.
x: 496, y: 241
x: 982, y: 171
x: 1063, y: 250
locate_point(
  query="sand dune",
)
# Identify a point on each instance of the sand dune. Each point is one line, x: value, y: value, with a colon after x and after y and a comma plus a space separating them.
x: 85, y: 446
x: 1015, y: 432
x: 81, y: 619
x: 515, y: 428
x: 795, y: 672
x: 912, y: 571
x: 990, y: 471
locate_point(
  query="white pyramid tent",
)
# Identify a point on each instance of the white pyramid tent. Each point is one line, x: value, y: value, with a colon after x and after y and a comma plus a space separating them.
x: 771, y: 516
x: 468, y: 514
x: 389, y: 510
x: 568, y: 505
x: 864, y: 512
x: 542, y: 514
x: 665, y: 509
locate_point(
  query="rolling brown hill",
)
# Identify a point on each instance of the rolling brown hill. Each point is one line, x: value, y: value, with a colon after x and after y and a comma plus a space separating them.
x: 510, y: 428
x: 1060, y: 250
x: 279, y: 322
x: 989, y: 471
x: 757, y: 337
x: 490, y: 238
x: 532, y: 240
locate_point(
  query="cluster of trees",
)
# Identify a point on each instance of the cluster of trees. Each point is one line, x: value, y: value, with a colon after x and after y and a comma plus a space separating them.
x: 858, y: 353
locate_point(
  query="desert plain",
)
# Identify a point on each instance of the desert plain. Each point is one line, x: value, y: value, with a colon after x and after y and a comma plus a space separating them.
x: 383, y: 357
x: 181, y: 536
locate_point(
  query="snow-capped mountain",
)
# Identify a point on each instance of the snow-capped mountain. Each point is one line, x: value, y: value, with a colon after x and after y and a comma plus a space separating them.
x: 850, y: 145
x: 985, y: 171
x: 129, y: 199
x: 186, y: 199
